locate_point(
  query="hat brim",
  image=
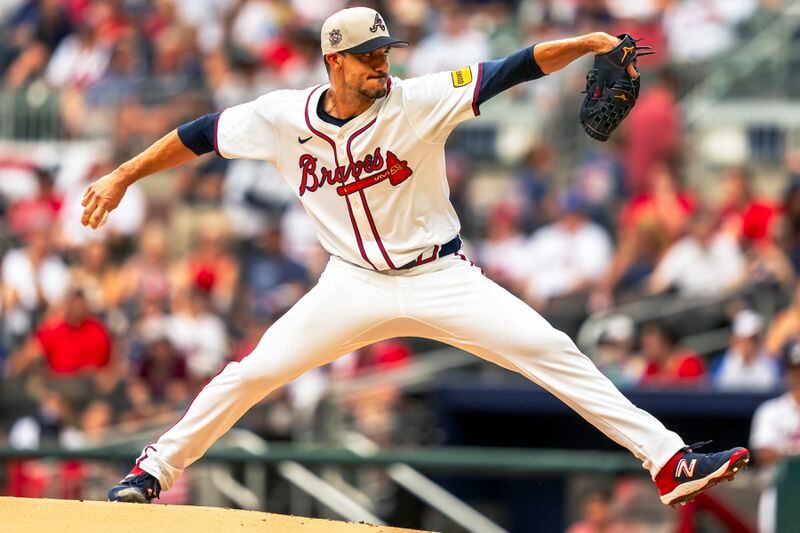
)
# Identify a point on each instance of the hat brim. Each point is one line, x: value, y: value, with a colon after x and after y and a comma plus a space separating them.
x: 374, y: 44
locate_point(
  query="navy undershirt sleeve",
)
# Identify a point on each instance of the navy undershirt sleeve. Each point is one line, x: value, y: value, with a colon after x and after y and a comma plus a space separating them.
x: 198, y: 135
x: 502, y: 74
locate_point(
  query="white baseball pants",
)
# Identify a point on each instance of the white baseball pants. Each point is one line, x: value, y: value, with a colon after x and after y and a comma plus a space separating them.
x: 448, y: 300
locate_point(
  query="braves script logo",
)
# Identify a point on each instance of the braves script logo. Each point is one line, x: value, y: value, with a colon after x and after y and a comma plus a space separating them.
x: 396, y: 171
x: 684, y: 467
x: 377, y: 24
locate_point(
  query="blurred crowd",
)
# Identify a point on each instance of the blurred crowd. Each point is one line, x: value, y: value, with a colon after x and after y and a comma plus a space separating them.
x: 108, y: 62
x: 109, y: 329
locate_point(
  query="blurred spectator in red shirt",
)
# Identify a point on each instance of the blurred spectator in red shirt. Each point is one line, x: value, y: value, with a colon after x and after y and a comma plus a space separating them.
x: 384, y: 355
x: 42, y: 209
x: 69, y: 343
x: 110, y: 20
x: 210, y: 267
x: 665, y: 205
x: 653, y: 131
x: 740, y: 211
x: 666, y: 365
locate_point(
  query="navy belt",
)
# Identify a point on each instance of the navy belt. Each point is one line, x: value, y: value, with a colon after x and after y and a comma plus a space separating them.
x: 450, y: 247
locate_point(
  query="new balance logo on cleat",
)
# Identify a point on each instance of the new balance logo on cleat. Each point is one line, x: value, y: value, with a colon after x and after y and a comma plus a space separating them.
x: 689, y: 473
x: 683, y: 466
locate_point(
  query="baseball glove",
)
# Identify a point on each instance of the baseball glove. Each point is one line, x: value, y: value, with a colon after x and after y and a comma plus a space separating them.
x: 610, y: 91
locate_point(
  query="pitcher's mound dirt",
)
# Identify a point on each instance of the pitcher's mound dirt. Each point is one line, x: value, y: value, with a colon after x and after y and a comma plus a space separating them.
x: 26, y: 515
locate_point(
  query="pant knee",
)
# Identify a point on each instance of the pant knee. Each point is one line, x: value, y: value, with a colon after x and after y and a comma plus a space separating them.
x: 550, y: 342
x: 564, y: 343
x: 263, y: 374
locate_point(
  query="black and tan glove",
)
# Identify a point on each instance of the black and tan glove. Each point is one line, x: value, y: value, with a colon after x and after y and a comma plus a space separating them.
x: 610, y: 91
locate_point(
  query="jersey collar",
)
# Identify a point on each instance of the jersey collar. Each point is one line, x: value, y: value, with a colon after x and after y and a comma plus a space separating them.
x: 338, y: 133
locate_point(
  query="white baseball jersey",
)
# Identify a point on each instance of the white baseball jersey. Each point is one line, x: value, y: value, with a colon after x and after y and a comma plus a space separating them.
x: 375, y: 187
x: 776, y: 425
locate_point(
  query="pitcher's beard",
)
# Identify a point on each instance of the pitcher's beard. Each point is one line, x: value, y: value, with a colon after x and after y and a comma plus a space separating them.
x: 373, y: 94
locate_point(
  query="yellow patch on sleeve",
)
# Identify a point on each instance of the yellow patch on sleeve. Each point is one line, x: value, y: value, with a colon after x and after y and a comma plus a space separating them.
x: 461, y: 77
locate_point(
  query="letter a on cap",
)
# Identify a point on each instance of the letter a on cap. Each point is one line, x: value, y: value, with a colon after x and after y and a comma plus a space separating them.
x: 377, y: 24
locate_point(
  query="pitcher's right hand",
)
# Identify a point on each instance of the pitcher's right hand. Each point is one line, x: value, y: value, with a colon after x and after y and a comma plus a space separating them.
x: 102, y: 197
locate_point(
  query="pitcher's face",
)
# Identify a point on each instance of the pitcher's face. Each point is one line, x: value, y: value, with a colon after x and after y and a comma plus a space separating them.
x: 366, y: 73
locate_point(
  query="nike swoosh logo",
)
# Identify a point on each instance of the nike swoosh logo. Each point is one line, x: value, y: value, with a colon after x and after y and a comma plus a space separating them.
x: 303, y: 141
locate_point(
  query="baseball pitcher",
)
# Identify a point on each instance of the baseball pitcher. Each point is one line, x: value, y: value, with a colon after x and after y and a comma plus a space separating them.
x: 364, y: 153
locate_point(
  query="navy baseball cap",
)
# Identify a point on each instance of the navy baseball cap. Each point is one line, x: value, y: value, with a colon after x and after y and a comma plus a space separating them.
x: 356, y: 30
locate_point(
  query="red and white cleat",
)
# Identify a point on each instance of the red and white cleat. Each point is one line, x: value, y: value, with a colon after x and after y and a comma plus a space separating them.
x: 688, y: 473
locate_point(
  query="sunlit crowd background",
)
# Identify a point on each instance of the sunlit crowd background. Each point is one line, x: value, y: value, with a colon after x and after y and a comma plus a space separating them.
x: 102, y: 332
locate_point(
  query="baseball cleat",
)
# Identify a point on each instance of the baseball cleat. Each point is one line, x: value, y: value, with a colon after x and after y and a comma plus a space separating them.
x: 136, y: 487
x: 688, y: 473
